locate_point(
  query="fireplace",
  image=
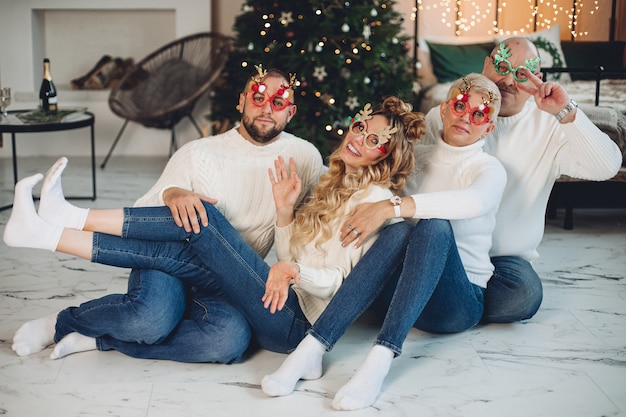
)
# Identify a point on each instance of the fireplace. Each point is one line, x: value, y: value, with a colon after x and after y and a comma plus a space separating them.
x: 75, y: 34
x: 72, y: 32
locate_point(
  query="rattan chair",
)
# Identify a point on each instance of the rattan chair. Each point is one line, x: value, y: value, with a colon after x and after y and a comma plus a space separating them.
x: 164, y: 87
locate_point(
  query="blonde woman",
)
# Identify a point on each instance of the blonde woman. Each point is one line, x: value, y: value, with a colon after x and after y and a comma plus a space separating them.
x: 446, y: 264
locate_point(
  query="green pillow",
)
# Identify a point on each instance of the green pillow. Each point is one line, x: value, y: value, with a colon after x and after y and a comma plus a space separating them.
x: 453, y: 61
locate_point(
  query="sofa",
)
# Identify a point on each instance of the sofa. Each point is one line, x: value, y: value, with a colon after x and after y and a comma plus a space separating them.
x: 592, y: 72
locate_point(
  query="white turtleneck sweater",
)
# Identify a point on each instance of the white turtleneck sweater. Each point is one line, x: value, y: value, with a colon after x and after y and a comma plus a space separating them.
x: 463, y: 185
x: 535, y: 149
x: 234, y: 171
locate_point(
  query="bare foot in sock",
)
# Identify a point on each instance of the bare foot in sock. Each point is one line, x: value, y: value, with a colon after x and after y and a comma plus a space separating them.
x: 34, y: 336
x: 303, y: 363
x: 53, y: 207
x: 361, y: 391
x: 25, y: 229
x: 73, y: 343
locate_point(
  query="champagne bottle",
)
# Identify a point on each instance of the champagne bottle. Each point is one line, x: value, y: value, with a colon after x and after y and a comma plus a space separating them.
x: 47, y: 92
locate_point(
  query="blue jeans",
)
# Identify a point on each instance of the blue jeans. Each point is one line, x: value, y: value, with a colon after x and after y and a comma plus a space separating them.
x: 370, y: 276
x: 212, y: 330
x: 146, y: 314
x: 432, y: 291
x: 215, y: 261
x: 160, y: 317
x: 513, y: 293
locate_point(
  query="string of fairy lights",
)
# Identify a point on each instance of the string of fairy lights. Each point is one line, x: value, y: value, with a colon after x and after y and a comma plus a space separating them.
x: 465, y: 15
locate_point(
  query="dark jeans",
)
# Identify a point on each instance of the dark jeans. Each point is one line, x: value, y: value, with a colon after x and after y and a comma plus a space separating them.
x: 432, y: 291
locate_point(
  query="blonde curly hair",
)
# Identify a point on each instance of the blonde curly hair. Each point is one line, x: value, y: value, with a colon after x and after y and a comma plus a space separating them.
x: 336, y: 186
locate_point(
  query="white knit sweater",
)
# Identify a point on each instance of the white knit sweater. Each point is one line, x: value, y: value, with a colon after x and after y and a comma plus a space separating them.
x: 463, y: 185
x: 322, y: 271
x: 234, y: 171
x: 535, y: 149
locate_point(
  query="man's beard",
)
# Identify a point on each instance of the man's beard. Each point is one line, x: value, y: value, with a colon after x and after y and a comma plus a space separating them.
x: 258, y: 136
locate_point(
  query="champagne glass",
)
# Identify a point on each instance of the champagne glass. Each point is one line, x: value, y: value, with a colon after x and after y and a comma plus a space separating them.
x: 5, y: 100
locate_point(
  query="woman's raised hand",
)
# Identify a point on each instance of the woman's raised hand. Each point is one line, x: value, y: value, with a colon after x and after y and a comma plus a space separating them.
x: 286, y: 188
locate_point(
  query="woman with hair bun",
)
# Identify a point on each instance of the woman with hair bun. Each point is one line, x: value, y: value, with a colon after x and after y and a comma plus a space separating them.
x: 446, y: 266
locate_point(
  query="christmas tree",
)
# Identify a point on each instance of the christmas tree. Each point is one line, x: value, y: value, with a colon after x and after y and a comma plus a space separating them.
x: 345, y: 54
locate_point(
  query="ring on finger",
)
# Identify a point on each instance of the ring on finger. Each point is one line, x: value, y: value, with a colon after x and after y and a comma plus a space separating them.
x: 350, y: 227
x: 356, y: 232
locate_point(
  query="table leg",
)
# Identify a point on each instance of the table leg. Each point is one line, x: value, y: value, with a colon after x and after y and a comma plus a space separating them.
x: 93, y: 161
x: 14, y: 158
x: 14, y: 155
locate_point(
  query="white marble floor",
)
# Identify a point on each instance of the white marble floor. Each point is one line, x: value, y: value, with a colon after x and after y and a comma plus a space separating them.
x: 569, y: 360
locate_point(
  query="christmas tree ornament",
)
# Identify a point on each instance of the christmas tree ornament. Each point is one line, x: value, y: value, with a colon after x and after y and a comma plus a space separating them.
x: 286, y: 18
x: 367, y: 32
x: 345, y: 28
x: 417, y: 87
x: 320, y: 73
x: 352, y: 102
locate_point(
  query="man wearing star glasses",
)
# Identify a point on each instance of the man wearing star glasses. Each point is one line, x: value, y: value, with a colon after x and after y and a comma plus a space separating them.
x: 536, y: 141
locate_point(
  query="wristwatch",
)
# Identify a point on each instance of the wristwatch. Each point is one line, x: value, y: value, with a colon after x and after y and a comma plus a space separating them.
x: 395, y: 202
x: 570, y: 106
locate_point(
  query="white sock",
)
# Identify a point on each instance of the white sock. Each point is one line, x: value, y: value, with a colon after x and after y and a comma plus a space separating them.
x: 361, y: 391
x: 73, y: 343
x: 35, y: 335
x: 53, y: 207
x: 25, y: 229
x: 303, y: 363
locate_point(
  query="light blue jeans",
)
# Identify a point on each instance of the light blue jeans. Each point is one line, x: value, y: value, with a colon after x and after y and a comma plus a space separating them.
x: 431, y: 292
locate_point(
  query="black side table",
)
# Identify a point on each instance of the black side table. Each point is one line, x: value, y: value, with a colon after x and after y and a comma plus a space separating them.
x: 14, y: 125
